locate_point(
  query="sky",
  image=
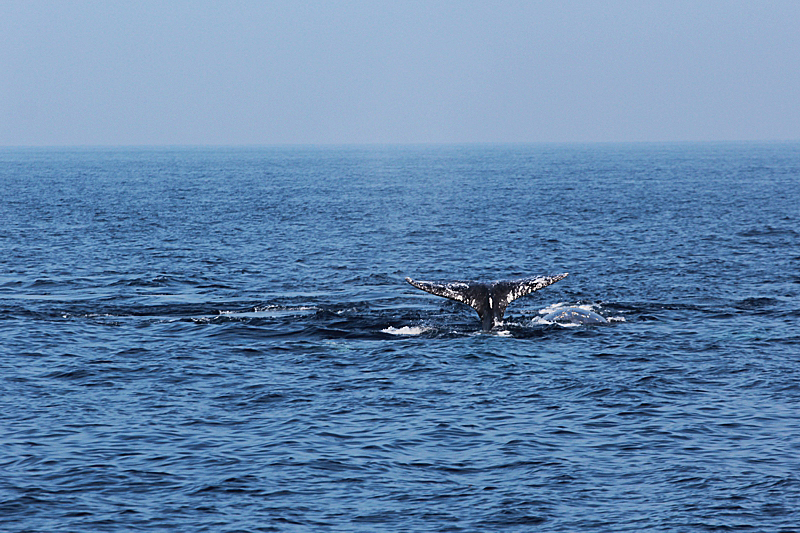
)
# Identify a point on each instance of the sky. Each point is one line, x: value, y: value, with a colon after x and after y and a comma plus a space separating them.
x: 177, y: 72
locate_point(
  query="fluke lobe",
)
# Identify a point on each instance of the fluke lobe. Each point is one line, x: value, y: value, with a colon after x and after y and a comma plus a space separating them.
x: 488, y: 299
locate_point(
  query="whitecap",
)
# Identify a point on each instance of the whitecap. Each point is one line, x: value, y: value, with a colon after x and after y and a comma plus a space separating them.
x: 563, y: 305
x: 405, y: 330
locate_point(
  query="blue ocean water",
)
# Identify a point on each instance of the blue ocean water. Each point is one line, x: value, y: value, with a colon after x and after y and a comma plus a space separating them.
x: 220, y: 339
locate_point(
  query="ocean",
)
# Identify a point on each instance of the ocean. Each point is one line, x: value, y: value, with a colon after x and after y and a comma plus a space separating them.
x: 222, y: 340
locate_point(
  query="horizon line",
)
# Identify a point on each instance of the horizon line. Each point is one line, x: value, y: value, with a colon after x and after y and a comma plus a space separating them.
x: 392, y: 144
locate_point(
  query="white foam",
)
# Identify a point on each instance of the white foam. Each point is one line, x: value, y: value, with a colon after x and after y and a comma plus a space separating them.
x: 405, y: 330
x: 539, y: 320
x: 280, y: 308
x: 542, y: 322
x: 563, y: 305
x: 269, y: 311
x: 586, y: 307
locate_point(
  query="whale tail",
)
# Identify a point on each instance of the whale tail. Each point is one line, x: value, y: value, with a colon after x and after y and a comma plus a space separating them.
x: 488, y: 299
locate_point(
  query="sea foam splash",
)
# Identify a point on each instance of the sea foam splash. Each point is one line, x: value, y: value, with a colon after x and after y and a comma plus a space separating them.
x: 405, y: 330
x: 563, y: 305
x: 594, y: 308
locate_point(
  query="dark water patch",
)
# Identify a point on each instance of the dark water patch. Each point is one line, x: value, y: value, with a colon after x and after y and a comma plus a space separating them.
x: 78, y: 373
x: 756, y: 303
x: 767, y: 231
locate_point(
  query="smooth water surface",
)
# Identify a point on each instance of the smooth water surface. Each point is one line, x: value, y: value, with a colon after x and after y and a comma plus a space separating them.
x: 221, y: 339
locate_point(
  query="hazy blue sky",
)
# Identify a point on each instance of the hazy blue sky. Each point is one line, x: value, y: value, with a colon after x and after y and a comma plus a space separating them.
x: 217, y: 72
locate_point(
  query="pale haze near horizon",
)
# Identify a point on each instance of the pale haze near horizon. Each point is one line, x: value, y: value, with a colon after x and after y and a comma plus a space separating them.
x: 266, y: 73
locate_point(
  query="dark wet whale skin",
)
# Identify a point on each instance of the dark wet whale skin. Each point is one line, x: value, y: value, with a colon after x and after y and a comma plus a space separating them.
x: 489, y: 299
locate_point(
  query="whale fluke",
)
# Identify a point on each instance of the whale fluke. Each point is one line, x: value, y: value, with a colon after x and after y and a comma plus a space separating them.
x: 488, y: 299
